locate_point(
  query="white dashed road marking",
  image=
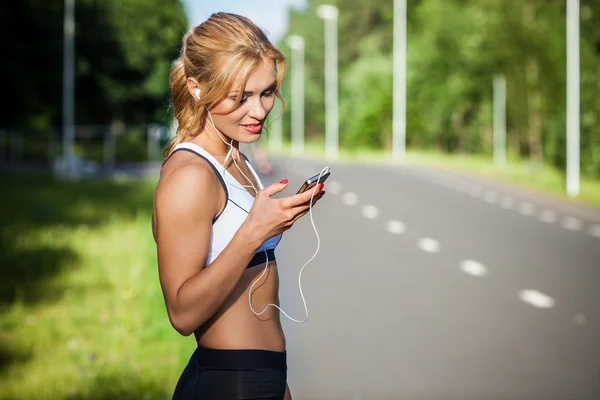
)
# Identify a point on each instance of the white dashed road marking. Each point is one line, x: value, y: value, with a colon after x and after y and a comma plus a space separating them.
x: 491, y: 196
x: 461, y: 188
x: 395, y: 227
x: 473, y: 268
x: 548, y: 216
x: 350, y: 199
x: 526, y: 208
x: 536, y: 299
x: 333, y: 187
x: 369, y: 211
x: 572, y: 223
x: 429, y: 245
x: 475, y: 191
x: 507, y: 202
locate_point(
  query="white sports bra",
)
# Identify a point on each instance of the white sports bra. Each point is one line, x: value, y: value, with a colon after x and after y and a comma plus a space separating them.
x: 238, y: 204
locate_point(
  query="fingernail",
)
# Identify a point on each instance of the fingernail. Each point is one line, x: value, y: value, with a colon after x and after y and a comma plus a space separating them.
x: 283, y: 182
x: 321, y: 186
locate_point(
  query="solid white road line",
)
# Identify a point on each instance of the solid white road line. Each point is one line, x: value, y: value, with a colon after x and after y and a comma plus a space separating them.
x: 429, y: 245
x: 395, y: 227
x: 536, y: 299
x: 474, y: 268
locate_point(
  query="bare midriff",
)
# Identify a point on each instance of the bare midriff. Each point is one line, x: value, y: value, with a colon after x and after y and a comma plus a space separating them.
x: 235, y: 326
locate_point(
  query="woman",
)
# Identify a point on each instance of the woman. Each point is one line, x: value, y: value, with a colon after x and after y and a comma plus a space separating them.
x: 215, y: 225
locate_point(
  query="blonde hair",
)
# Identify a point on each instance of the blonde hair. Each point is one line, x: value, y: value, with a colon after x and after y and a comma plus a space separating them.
x: 224, y: 47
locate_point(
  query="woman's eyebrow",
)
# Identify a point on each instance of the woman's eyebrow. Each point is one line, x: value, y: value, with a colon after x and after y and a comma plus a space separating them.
x: 249, y: 93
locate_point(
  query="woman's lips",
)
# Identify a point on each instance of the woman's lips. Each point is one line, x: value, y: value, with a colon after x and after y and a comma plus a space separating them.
x: 253, y: 128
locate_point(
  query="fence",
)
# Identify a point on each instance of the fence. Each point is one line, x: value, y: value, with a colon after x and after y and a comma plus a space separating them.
x: 105, y: 145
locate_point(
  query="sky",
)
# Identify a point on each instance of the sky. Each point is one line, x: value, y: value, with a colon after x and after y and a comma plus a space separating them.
x: 270, y: 15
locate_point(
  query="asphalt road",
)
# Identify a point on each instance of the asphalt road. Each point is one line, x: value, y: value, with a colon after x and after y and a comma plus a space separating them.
x: 433, y: 285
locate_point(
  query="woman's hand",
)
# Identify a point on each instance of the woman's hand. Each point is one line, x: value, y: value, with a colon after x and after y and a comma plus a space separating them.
x: 269, y: 217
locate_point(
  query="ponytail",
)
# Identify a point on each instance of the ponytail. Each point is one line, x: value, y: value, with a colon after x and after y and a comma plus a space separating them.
x: 184, y: 106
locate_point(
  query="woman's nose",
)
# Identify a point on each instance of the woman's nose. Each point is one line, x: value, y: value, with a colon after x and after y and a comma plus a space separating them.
x: 257, y: 110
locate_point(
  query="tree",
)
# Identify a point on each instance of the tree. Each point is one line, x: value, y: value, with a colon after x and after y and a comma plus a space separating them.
x: 123, y: 55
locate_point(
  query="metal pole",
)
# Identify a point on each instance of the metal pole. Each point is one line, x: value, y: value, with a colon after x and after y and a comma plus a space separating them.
x: 573, y: 182
x: 399, y: 85
x: 500, y: 120
x: 2, y: 146
x: 296, y: 43
x: 330, y: 14
x: 275, y: 134
x: 68, y: 80
x: 110, y: 146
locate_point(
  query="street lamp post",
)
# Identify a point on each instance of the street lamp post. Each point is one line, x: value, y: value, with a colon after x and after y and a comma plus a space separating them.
x: 330, y: 13
x: 275, y: 141
x: 399, y: 85
x: 68, y: 81
x: 499, y: 120
x: 573, y: 98
x: 296, y: 43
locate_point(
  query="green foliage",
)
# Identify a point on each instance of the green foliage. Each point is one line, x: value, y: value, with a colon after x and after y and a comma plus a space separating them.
x: 366, y: 103
x: 455, y: 48
x: 123, y: 54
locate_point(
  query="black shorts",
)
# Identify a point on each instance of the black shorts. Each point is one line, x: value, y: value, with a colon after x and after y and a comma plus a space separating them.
x: 214, y: 374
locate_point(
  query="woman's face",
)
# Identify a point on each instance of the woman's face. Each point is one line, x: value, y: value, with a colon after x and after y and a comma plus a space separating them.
x: 245, y: 123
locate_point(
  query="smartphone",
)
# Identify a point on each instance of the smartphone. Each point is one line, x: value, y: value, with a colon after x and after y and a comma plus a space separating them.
x: 312, y: 181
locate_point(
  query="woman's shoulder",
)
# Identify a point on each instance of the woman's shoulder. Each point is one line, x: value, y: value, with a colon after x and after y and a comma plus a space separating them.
x: 187, y: 179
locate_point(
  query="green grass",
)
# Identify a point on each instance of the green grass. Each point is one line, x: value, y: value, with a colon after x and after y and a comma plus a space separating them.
x: 540, y: 178
x: 82, y: 314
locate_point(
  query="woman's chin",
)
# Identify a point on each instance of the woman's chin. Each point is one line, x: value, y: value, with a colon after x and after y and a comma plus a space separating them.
x: 250, y: 137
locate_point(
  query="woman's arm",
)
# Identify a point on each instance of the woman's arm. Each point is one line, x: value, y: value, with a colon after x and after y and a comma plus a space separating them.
x: 185, y: 205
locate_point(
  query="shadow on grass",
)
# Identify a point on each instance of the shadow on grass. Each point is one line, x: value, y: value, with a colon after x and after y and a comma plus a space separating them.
x: 25, y: 274
x: 38, y: 200
x: 10, y: 356
x: 32, y: 203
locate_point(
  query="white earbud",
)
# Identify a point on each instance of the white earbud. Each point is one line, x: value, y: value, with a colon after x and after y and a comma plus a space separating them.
x: 197, y: 93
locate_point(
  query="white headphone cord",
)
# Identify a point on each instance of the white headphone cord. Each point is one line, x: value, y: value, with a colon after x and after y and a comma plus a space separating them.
x: 265, y: 251
x: 299, y: 275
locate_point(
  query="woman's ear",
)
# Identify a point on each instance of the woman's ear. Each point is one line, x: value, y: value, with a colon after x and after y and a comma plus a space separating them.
x: 194, y: 88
